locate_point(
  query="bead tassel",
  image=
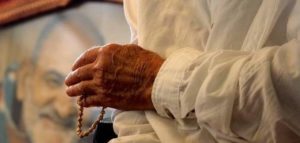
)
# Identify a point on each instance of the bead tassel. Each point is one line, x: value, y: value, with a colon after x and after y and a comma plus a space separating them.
x: 79, y: 131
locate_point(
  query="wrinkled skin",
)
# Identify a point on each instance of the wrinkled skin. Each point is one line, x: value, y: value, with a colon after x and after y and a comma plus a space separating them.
x: 117, y: 76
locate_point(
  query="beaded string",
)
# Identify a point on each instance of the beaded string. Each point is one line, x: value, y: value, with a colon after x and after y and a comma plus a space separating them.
x: 79, y: 131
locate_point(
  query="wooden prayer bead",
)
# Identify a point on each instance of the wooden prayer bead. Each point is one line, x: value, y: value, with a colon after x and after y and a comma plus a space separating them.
x: 79, y: 131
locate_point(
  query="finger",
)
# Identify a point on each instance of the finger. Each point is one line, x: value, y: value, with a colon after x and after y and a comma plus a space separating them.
x: 82, y: 88
x: 87, y: 57
x: 91, y: 101
x: 80, y: 74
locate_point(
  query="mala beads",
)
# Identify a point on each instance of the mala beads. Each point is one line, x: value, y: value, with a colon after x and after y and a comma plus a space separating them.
x: 79, y: 131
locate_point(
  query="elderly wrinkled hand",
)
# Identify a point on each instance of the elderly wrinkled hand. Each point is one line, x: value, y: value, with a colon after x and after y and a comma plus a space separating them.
x: 118, y: 76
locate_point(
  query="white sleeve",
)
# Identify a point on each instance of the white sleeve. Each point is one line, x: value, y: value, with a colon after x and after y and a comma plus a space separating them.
x: 251, y: 95
x: 130, y: 10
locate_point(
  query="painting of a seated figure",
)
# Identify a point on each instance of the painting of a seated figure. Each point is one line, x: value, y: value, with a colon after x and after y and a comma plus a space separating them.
x: 34, y: 107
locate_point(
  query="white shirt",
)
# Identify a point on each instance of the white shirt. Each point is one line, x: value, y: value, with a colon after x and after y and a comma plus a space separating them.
x: 232, y: 71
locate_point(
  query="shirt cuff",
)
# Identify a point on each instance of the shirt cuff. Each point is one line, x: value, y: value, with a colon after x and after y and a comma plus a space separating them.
x: 166, y: 87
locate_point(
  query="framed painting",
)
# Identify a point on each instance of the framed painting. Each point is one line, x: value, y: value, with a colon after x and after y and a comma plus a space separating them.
x: 11, y: 10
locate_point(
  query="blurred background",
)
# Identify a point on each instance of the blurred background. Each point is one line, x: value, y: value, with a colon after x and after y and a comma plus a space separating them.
x: 38, y: 44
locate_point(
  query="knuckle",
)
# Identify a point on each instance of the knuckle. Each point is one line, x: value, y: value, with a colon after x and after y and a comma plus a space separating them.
x: 97, y: 70
x: 92, y: 49
x: 96, y: 67
x: 101, y: 64
x: 112, y: 45
x: 132, y: 46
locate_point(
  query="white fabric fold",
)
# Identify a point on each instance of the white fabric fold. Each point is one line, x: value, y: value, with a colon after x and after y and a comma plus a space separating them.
x: 232, y: 71
x: 166, y: 91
